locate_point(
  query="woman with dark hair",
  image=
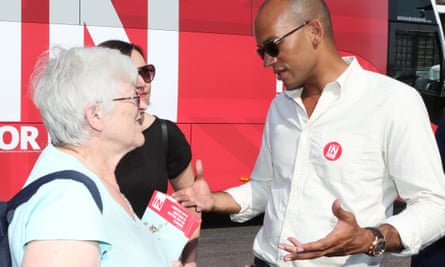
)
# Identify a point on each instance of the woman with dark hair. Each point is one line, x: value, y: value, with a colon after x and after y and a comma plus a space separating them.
x: 165, y: 156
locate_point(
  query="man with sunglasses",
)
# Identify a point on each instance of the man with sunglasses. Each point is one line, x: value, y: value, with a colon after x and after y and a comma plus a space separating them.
x: 339, y: 145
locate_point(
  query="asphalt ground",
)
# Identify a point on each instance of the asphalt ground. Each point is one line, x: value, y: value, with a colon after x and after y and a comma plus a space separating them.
x: 226, y: 244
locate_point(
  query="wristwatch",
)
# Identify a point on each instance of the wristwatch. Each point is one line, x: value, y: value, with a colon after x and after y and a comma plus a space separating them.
x: 378, y: 245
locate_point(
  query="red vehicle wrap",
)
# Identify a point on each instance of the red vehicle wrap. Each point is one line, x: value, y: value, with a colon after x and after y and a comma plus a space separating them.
x: 209, y: 80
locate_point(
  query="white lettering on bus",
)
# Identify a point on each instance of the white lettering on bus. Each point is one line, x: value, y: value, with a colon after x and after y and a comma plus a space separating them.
x: 24, y: 137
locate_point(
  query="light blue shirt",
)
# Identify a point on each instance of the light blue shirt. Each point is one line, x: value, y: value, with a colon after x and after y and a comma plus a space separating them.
x: 65, y: 209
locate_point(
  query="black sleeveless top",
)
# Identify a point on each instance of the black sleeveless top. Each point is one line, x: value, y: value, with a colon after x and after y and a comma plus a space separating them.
x: 148, y: 168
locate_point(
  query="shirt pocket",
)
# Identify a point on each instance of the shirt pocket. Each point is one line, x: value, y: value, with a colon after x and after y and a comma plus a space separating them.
x: 347, y: 157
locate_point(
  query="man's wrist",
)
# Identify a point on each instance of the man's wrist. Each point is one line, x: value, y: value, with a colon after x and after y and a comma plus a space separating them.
x: 392, y: 237
x: 378, y: 244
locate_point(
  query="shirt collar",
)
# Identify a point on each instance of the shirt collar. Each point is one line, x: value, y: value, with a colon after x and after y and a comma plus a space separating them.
x: 347, y: 74
x: 337, y: 84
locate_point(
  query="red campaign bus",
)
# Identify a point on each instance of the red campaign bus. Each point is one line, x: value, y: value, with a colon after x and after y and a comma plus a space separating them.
x: 209, y: 78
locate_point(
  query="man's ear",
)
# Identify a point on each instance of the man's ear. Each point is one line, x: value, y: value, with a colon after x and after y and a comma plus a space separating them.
x: 94, y: 117
x: 316, y: 30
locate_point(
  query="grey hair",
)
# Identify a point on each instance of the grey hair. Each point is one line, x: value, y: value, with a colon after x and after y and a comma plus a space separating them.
x: 67, y: 81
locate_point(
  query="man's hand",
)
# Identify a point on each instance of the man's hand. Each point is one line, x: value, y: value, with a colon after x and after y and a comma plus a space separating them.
x: 198, y: 195
x: 347, y: 238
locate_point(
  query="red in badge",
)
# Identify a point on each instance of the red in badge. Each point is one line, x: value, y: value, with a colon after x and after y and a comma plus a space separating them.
x: 332, y: 151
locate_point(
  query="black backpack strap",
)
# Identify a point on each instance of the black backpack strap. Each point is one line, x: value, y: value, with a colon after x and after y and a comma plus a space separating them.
x: 27, y: 192
x: 164, y: 137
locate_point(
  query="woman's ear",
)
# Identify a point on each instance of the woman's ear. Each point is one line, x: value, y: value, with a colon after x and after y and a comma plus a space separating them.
x: 94, y: 117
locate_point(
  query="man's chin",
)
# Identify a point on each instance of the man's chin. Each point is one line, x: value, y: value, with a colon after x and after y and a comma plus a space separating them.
x: 291, y: 86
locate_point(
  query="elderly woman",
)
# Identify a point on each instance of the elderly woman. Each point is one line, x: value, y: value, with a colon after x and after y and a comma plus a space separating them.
x: 89, y: 101
x: 151, y: 166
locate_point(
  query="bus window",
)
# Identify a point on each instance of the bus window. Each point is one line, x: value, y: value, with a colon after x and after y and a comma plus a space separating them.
x: 416, y: 49
x: 415, y: 57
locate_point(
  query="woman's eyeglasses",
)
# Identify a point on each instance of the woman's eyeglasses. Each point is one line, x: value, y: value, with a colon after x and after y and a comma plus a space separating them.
x: 147, y: 72
x: 271, y: 47
x: 137, y: 97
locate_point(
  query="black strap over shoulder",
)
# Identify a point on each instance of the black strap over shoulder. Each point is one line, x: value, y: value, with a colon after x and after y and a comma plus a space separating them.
x: 164, y: 136
x: 27, y: 192
x: 7, y: 209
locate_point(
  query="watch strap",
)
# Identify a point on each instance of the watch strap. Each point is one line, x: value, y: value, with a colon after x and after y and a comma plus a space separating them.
x: 379, y: 238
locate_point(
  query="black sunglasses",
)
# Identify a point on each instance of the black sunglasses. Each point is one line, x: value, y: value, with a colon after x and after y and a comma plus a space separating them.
x: 147, y: 72
x: 271, y: 47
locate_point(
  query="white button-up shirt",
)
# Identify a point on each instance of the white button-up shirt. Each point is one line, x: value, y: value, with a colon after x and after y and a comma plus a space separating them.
x: 368, y: 140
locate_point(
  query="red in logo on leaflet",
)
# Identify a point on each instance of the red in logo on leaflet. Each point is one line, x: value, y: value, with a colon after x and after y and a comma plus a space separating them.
x: 332, y: 151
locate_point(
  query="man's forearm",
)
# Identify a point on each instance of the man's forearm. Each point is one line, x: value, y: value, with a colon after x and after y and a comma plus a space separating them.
x: 223, y: 202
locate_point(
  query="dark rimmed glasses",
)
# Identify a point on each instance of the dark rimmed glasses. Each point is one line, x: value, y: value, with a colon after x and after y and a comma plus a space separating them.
x: 147, y: 72
x: 271, y: 47
x: 137, y: 96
